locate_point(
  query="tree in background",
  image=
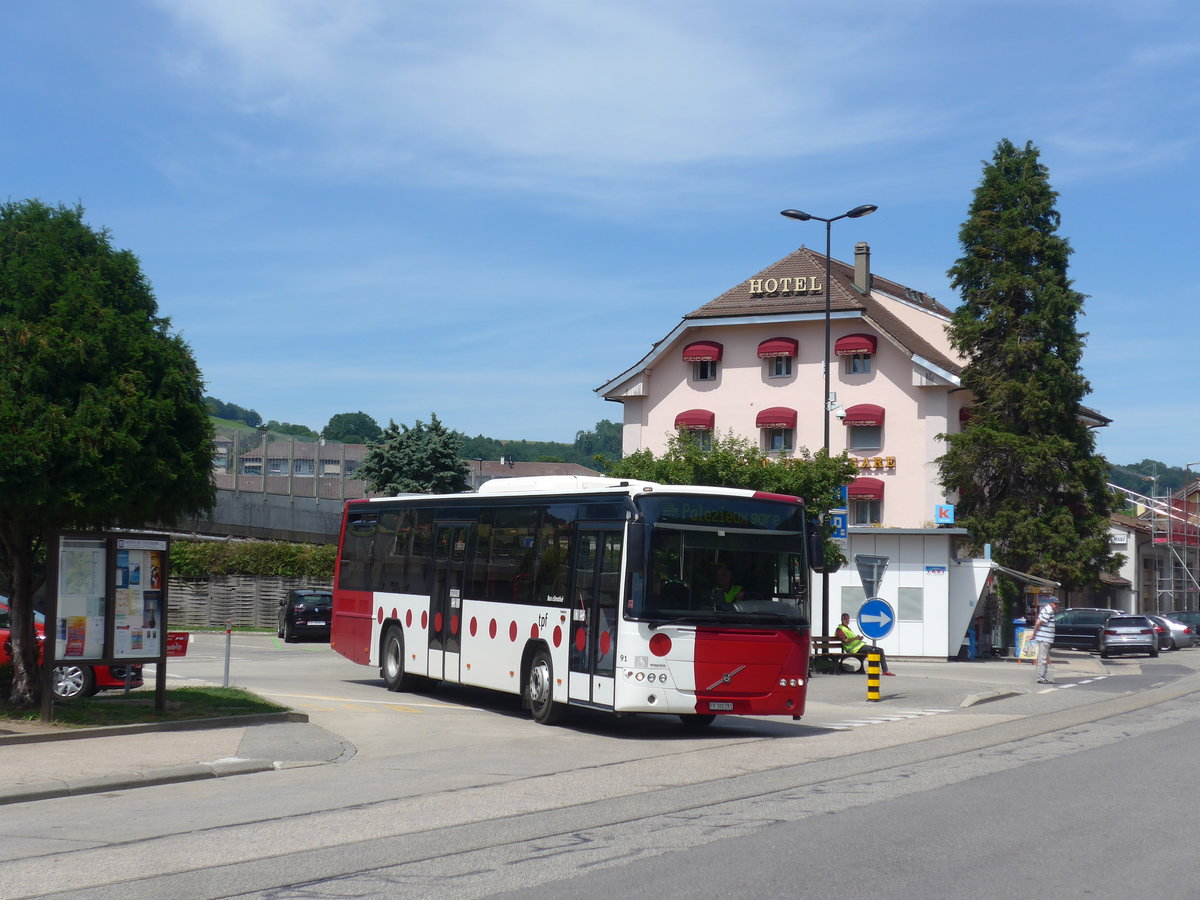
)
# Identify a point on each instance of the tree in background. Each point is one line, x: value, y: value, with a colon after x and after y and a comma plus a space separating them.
x: 289, y: 430
x: 352, y: 428
x: 102, y: 417
x: 733, y: 461
x: 1028, y: 478
x: 423, y: 459
x: 232, y: 412
x: 604, y: 441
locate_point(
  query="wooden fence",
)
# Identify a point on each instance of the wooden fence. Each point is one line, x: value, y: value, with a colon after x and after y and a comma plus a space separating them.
x: 240, y: 600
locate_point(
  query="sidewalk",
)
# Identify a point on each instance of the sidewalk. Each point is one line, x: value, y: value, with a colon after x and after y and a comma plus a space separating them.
x: 43, y: 761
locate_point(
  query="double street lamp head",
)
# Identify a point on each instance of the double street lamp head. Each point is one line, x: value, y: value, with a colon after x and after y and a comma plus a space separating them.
x: 857, y: 213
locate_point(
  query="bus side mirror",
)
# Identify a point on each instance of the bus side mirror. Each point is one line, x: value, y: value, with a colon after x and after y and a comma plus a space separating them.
x: 816, y: 549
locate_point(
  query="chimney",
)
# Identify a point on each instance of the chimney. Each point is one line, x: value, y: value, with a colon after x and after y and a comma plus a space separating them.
x: 862, y: 267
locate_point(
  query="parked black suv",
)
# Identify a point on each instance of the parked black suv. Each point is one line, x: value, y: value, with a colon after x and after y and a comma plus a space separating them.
x: 305, y: 613
x: 1079, y: 628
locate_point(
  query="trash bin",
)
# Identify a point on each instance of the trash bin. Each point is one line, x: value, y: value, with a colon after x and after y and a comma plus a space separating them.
x: 1019, y: 630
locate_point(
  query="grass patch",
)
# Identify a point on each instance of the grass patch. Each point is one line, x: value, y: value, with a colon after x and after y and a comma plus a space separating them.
x: 137, y: 707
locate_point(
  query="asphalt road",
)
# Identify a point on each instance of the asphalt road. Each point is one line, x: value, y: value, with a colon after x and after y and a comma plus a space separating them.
x: 457, y: 794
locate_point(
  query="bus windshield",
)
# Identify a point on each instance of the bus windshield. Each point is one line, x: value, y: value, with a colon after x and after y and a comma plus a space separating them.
x: 748, y: 569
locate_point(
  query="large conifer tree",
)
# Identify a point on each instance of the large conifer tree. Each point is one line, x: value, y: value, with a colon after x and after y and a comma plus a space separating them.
x: 1028, y: 478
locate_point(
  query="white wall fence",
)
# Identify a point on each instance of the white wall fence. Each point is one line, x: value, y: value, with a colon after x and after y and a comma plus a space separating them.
x: 241, y: 600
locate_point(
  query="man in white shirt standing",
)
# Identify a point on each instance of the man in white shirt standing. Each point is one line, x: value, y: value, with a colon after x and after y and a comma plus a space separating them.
x: 1043, y: 636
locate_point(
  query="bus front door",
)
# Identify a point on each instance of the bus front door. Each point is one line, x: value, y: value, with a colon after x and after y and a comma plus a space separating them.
x: 595, y: 607
x: 445, y: 620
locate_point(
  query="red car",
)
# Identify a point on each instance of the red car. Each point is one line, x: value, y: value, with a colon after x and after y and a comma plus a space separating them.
x: 70, y: 680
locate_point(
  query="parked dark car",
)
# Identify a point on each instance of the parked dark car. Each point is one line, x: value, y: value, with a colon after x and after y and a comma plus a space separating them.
x: 305, y: 613
x: 1128, y: 634
x: 1079, y: 628
x: 71, y: 680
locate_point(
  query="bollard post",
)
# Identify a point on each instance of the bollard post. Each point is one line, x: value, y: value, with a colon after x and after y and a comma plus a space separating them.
x: 228, y: 646
x: 873, y: 670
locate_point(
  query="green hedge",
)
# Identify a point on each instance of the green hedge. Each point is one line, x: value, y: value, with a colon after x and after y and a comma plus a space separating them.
x: 195, y: 559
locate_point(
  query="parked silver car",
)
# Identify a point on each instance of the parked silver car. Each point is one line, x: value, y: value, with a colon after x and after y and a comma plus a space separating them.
x: 1176, y: 635
x: 1128, y: 634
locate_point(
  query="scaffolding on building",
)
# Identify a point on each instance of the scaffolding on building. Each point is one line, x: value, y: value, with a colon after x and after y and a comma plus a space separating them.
x: 1173, y: 583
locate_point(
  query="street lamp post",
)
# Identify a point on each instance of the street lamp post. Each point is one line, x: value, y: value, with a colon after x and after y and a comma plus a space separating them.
x: 826, y: 404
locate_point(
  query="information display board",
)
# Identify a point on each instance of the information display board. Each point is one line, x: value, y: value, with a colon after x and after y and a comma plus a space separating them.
x: 80, y: 618
x: 138, y: 592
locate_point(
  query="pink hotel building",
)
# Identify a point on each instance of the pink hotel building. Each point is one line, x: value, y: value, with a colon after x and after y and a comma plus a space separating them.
x: 751, y: 361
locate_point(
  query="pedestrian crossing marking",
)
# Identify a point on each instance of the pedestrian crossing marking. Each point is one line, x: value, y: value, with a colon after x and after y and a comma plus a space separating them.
x: 893, y: 716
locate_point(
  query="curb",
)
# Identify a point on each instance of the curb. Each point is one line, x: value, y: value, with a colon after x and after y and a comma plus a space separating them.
x: 987, y: 697
x: 50, y: 790
x: 73, y: 734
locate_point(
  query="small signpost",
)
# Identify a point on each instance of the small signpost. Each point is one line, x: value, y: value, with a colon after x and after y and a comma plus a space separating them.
x: 875, y: 620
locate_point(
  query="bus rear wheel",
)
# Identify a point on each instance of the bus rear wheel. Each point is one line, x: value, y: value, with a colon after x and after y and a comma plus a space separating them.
x: 539, y: 690
x: 391, y: 663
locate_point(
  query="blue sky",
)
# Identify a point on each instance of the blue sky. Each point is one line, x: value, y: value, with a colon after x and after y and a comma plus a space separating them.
x: 488, y: 208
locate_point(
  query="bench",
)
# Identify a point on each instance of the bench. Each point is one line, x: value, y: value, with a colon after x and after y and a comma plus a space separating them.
x: 827, y: 656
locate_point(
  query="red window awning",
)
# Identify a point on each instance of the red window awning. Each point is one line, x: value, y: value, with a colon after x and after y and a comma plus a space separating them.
x: 854, y: 343
x: 702, y: 351
x: 865, y: 489
x: 776, y: 417
x: 695, y: 420
x: 864, y: 414
x: 778, y: 346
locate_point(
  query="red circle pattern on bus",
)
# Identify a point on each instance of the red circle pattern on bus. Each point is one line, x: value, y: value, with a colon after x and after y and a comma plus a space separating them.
x: 557, y: 635
x: 492, y: 629
x: 408, y: 618
x: 437, y: 621
x: 512, y: 631
x: 424, y: 620
x: 533, y: 631
x: 660, y: 644
x: 605, y: 643
x: 581, y: 639
x: 454, y: 624
x: 379, y: 616
x: 474, y: 626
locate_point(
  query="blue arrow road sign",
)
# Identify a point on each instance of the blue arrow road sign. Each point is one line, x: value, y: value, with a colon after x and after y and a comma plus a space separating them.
x: 875, y: 618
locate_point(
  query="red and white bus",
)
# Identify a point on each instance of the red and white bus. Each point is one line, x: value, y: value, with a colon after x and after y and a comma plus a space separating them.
x: 615, y: 595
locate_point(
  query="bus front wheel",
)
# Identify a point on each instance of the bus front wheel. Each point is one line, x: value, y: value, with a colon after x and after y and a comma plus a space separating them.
x: 391, y: 665
x: 539, y: 690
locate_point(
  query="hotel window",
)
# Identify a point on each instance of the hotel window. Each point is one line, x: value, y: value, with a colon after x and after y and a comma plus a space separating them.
x: 706, y: 370
x: 866, y: 512
x: 779, y: 366
x: 864, y: 427
x: 864, y: 437
x: 857, y: 363
x: 778, y: 440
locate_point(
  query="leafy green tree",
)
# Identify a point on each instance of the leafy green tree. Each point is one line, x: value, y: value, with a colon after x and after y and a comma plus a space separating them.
x: 604, y: 440
x: 102, y: 417
x: 352, y: 428
x: 232, y: 412
x: 289, y: 430
x: 1028, y: 478
x: 733, y: 461
x: 423, y: 459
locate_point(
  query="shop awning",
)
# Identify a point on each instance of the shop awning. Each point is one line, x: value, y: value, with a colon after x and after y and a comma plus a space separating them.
x: 702, y: 351
x: 776, y: 417
x: 865, y: 489
x: 864, y: 414
x: 778, y: 346
x: 854, y: 343
x: 1025, y: 576
x: 695, y: 420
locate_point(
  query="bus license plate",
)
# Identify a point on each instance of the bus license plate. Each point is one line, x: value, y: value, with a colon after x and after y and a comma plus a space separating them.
x: 317, y: 622
x: 725, y: 707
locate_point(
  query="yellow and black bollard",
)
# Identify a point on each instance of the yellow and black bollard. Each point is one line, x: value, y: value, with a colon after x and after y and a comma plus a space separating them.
x: 873, y: 670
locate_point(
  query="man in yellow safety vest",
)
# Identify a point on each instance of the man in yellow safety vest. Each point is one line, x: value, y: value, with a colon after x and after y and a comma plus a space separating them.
x: 854, y: 644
